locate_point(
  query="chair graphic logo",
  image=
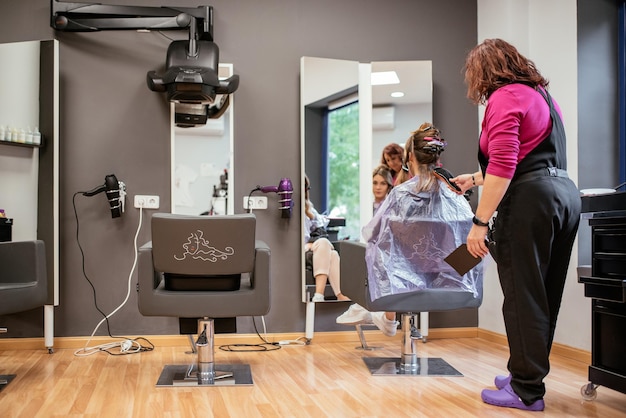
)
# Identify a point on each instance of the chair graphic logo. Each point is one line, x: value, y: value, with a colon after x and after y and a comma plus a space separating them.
x: 198, y: 248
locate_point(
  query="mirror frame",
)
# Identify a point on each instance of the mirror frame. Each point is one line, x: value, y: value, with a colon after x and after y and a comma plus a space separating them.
x: 43, y: 222
x: 315, y: 87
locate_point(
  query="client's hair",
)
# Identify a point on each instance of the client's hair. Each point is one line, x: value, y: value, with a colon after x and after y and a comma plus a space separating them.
x: 427, y: 145
x: 307, y: 202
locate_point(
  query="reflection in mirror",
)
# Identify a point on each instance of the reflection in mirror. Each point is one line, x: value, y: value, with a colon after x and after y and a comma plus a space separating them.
x: 202, y: 163
x: 329, y: 123
x: 383, y: 118
x: 399, y: 108
x: 29, y: 160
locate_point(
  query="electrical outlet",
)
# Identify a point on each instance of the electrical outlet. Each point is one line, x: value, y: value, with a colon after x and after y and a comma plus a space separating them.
x: 255, y: 202
x: 146, y: 201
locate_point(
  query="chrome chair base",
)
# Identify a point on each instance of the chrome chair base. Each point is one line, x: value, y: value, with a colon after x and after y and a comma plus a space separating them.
x: 425, y: 366
x: 5, y: 379
x: 364, y: 345
x: 186, y: 375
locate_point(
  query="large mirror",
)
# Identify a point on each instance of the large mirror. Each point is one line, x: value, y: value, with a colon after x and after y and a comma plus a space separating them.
x: 349, y: 113
x: 29, y: 154
x: 202, y: 163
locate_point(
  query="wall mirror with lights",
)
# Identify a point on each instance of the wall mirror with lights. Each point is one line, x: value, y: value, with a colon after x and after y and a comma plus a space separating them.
x: 202, y: 163
x: 348, y: 114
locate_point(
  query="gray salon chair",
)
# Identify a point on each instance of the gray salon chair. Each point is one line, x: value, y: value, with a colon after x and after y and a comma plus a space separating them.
x: 354, y: 284
x: 23, y: 281
x: 204, y: 267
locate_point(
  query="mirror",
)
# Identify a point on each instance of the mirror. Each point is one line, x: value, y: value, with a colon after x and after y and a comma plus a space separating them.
x: 327, y: 85
x: 29, y: 167
x: 202, y: 163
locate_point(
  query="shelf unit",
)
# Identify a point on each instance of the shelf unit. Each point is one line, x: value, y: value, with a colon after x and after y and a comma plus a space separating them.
x: 605, y: 284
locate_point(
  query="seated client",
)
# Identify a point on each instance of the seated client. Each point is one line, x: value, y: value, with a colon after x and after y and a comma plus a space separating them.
x: 325, y: 262
x: 399, y: 260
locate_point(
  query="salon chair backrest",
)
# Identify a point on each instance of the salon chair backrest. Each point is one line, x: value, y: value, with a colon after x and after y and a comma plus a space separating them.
x: 203, y: 252
x: 23, y: 276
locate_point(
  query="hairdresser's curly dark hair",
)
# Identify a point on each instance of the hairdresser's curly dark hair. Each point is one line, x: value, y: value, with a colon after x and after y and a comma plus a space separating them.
x: 495, y: 63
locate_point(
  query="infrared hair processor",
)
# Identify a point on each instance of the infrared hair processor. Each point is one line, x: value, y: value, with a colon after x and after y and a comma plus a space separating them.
x: 285, y: 193
x: 116, y: 194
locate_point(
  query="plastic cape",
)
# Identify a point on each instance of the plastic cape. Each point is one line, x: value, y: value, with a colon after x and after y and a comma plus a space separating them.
x: 409, y: 237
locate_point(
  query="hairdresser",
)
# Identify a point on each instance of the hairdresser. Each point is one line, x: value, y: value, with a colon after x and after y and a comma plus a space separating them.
x: 523, y: 161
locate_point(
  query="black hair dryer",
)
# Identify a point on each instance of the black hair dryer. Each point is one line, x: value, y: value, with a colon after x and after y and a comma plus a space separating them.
x: 116, y: 194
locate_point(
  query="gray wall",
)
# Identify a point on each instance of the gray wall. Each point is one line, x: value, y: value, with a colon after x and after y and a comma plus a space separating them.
x: 112, y: 123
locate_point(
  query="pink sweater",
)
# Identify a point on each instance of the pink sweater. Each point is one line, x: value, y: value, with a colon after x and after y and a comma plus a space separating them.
x: 517, y: 119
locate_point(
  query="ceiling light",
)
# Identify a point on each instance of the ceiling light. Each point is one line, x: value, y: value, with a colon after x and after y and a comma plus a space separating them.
x: 397, y: 94
x: 385, y: 77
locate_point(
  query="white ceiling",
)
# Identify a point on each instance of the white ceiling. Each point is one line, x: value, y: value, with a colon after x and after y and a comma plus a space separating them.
x: 415, y: 81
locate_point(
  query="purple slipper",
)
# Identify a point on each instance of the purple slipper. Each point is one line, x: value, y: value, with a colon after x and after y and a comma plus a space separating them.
x: 501, y: 381
x: 507, y: 398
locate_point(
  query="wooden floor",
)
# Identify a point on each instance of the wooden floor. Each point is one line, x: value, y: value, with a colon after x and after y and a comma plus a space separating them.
x: 323, y: 379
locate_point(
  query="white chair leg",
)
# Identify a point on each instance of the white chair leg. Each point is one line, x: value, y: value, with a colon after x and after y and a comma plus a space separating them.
x: 309, y: 326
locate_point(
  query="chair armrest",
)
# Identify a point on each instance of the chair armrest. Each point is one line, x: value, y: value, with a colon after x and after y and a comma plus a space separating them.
x: 147, y: 277
x: 261, y: 275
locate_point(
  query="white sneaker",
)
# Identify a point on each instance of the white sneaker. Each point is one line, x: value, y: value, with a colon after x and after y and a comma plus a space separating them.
x: 318, y: 297
x: 387, y: 326
x: 355, y: 314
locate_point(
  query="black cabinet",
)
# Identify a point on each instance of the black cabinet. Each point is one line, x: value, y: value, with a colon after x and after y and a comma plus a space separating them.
x: 605, y: 284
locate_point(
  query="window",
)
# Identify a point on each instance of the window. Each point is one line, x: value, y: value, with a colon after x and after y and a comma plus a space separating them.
x: 343, y: 167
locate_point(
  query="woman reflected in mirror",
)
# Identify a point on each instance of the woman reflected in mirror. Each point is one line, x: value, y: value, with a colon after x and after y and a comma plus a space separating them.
x: 382, y: 183
x: 392, y: 158
x: 324, y: 258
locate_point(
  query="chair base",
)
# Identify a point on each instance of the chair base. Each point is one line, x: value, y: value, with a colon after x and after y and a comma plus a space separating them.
x: 392, y: 366
x: 5, y: 379
x: 364, y: 346
x: 186, y: 375
x: 409, y: 364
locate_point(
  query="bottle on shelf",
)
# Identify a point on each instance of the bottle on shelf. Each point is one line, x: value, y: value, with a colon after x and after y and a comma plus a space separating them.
x: 29, y: 136
x: 36, y: 136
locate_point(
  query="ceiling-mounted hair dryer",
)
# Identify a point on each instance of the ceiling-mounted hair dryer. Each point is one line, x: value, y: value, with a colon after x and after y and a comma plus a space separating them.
x: 285, y: 192
x: 115, y: 191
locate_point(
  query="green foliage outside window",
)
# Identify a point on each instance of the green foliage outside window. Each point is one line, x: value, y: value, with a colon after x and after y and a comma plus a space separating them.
x: 343, y: 167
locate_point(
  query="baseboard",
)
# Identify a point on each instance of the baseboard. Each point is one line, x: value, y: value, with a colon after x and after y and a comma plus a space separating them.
x: 371, y: 336
x: 557, y: 349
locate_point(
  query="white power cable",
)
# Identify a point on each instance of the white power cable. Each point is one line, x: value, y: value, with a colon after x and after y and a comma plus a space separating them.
x: 124, y: 347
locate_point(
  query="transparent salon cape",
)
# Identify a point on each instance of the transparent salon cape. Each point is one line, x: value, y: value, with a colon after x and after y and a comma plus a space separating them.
x: 410, y: 236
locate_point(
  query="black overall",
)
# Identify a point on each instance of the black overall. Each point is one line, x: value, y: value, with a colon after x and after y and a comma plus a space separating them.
x: 535, y: 230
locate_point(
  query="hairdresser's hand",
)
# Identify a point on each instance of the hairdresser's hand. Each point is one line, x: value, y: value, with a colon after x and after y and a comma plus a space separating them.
x: 464, y: 181
x: 476, y: 244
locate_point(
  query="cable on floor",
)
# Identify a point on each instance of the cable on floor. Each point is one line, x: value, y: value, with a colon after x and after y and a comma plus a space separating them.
x: 127, y: 345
